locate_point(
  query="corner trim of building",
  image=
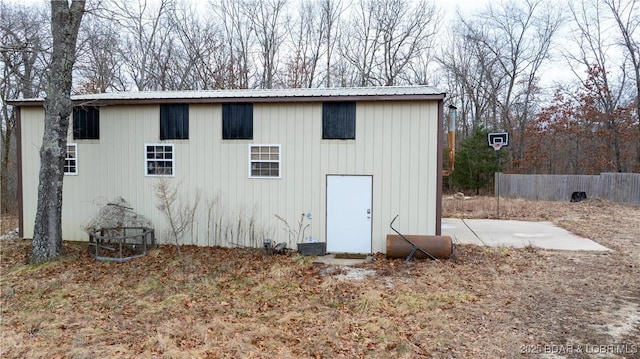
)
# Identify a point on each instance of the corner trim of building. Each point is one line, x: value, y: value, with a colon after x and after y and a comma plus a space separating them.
x: 19, y: 167
x: 439, y: 168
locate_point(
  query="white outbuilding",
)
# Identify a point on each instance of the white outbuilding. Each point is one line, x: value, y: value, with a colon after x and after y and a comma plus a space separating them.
x: 344, y: 161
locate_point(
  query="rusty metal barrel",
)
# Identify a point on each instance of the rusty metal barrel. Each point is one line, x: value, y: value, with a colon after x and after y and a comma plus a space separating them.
x: 440, y: 247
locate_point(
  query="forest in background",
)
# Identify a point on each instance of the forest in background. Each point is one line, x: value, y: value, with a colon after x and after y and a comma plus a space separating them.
x: 562, y: 79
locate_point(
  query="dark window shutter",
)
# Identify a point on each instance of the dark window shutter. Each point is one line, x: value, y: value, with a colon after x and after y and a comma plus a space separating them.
x: 86, y: 123
x: 339, y: 120
x: 174, y: 122
x: 237, y: 121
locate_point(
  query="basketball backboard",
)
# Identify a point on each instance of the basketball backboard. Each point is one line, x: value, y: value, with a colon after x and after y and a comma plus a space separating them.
x: 497, y: 140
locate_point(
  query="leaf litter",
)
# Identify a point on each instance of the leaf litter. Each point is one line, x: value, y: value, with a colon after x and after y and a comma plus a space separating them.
x: 214, y: 302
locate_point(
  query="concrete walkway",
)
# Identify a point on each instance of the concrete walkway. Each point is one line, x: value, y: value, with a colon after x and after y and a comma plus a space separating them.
x: 490, y: 232
x: 330, y: 259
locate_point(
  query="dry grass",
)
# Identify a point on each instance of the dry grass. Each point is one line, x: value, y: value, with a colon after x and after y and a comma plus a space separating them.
x: 230, y: 303
x: 8, y: 223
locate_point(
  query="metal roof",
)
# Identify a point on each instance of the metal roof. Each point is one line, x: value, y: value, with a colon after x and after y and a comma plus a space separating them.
x: 252, y: 95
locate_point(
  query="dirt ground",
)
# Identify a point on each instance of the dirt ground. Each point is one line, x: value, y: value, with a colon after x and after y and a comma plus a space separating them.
x: 239, y: 303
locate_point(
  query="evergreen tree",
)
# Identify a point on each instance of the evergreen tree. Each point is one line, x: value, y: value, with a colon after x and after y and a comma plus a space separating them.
x: 475, y: 163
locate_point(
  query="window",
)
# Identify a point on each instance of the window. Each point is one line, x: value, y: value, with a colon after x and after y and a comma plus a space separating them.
x: 174, y: 122
x: 86, y: 123
x: 264, y: 161
x: 237, y: 121
x: 158, y: 159
x: 339, y: 121
x: 71, y: 160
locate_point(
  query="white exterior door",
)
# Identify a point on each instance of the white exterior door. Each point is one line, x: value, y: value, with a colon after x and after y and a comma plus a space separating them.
x: 349, y: 214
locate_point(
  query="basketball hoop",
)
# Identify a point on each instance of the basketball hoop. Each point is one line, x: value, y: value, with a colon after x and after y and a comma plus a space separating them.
x: 497, y: 140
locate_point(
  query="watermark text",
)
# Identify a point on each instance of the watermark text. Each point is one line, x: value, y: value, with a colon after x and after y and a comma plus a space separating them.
x: 579, y: 349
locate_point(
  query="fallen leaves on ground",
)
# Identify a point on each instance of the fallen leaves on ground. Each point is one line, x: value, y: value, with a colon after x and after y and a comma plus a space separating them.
x: 211, y: 302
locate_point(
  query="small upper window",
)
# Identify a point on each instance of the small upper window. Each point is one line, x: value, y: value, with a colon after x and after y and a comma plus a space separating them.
x: 174, y: 122
x: 71, y: 159
x: 158, y: 159
x: 237, y: 121
x: 86, y: 123
x: 339, y: 120
x: 264, y: 161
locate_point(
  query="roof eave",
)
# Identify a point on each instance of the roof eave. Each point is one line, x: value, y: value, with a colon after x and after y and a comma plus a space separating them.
x: 153, y: 101
x: 25, y: 102
x: 79, y: 100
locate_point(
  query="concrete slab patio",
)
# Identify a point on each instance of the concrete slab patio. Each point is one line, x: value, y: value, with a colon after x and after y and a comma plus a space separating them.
x: 496, y: 233
x: 490, y: 232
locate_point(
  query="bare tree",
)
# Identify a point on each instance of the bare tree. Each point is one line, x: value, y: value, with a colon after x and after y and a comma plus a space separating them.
x: 332, y: 11
x: 471, y: 78
x: 99, y: 57
x: 384, y: 37
x: 406, y: 32
x: 202, y: 56
x: 477, y: 70
x: 359, y: 43
x: 145, y: 32
x: 179, y: 211
x: 47, y: 236
x: 510, y: 42
x: 238, y: 30
x: 593, y: 56
x: 627, y: 18
x: 308, y: 35
x: 23, y: 64
x: 268, y: 18
x: 573, y: 136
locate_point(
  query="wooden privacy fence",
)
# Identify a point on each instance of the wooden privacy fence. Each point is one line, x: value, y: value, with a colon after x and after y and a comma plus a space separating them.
x: 616, y: 187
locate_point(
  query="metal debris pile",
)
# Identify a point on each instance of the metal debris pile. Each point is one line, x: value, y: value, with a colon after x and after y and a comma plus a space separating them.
x: 117, y: 214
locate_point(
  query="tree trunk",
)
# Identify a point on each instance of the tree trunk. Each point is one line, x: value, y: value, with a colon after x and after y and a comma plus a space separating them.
x: 47, y: 236
x: 4, y: 165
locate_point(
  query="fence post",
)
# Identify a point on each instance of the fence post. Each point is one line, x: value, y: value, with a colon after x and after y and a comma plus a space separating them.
x: 497, y: 192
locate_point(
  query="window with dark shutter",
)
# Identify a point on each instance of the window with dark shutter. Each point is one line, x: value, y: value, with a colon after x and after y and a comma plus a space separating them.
x: 237, y: 121
x: 339, y: 120
x: 174, y: 122
x: 86, y: 123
